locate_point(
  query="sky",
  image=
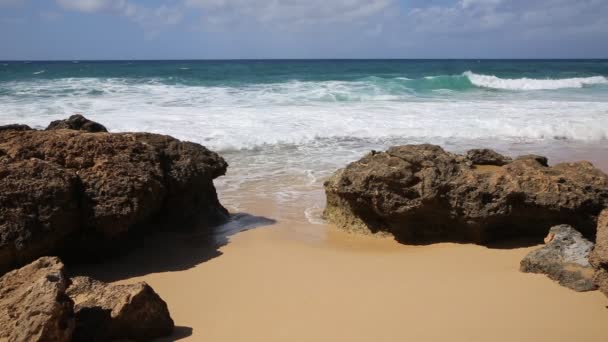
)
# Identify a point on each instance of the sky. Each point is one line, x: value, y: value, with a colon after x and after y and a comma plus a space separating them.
x: 243, y: 29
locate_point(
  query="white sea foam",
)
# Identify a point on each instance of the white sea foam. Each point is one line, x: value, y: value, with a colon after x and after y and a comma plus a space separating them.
x: 250, y: 117
x: 490, y: 81
x: 39, y: 72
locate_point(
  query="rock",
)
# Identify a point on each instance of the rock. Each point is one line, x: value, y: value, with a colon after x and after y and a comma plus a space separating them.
x: 99, y: 189
x: 39, y: 210
x: 564, y: 258
x: 77, y: 122
x: 599, y: 256
x: 423, y: 194
x: 487, y: 157
x: 539, y: 159
x: 34, y: 305
x: 104, y: 311
x: 15, y: 127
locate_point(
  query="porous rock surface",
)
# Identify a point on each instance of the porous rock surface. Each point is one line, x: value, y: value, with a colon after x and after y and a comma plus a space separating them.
x: 83, y: 193
x: 34, y: 305
x: 564, y: 258
x: 599, y: 255
x: 423, y: 194
x: 108, y: 312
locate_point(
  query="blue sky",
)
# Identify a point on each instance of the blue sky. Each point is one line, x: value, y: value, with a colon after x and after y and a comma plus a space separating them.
x: 202, y: 29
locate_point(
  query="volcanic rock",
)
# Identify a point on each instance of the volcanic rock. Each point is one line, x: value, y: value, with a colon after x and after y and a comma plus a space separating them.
x: 106, y: 312
x: 34, y: 305
x: 599, y: 255
x: 85, y: 193
x: 79, y: 123
x: 423, y: 194
x: 564, y: 258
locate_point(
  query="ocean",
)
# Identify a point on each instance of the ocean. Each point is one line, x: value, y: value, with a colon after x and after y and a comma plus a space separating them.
x: 285, y: 125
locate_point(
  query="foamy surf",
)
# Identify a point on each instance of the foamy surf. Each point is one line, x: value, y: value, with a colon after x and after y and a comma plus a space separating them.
x: 490, y: 81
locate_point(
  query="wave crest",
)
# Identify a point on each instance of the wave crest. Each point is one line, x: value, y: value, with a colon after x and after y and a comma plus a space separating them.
x: 490, y: 81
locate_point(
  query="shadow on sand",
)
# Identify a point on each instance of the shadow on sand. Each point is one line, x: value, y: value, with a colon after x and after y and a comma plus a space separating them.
x: 168, y: 251
x: 178, y: 334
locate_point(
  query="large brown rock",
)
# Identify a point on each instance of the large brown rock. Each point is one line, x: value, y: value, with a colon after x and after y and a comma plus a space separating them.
x: 106, y: 312
x: 79, y: 123
x: 422, y: 194
x: 100, y: 186
x: 34, y: 305
x: 564, y: 258
x: 599, y: 255
x: 39, y: 210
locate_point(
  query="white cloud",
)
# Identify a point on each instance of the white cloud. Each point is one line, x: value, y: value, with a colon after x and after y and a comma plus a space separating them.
x: 513, y: 16
x: 151, y: 19
x: 294, y: 12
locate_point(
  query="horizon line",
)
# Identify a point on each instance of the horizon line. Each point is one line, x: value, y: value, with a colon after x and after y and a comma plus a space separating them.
x: 296, y: 59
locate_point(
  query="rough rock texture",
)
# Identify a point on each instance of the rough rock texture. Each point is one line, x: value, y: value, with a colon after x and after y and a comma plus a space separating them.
x: 34, y: 305
x: 423, y: 194
x: 79, y: 123
x: 39, y: 209
x: 95, y: 189
x: 487, y: 157
x: 15, y: 127
x: 599, y: 256
x: 104, y: 311
x: 564, y: 258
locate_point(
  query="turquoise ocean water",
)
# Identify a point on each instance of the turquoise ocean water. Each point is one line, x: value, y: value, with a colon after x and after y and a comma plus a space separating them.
x: 296, y: 121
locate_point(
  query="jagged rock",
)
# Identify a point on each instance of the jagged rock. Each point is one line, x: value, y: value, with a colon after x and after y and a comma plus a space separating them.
x: 15, y: 127
x: 423, y: 194
x: 564, y: 258
x: 487, y: 157
x: 599, y: 256
x: 34, y: 305
x: 100, y: 186
x: 104, y: 311
x: 39, y: 209
x: 77, y: 122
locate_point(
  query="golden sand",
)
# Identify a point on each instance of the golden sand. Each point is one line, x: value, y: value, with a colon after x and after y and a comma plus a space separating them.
x: 266, y: 285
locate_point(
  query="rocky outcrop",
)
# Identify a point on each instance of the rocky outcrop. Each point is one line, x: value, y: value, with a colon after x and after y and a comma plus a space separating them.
x: 423, y: 194
x: 34, y: 305
x: 73, y: 192
x: 107, y: 312
x: 77, y: 122
x: 599, y: 256
x: 564, y: 258
x: 15, y: 127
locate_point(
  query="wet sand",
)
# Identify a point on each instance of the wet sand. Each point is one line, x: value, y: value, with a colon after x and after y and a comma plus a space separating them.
x: 285, y: 279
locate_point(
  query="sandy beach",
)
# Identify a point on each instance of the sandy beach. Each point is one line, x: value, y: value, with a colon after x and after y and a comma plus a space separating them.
x: 289, y: 280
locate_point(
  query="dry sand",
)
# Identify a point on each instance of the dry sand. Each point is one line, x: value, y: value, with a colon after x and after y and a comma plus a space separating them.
x: 294, y: 281
x: 266, y: 285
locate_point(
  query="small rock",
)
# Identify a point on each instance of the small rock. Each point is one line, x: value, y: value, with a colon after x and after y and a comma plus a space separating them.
x: 539, y: 159
x: 564, y: 258
x: 34, y: 305
x: 77, y: 122
x: 105, y: 311
x: 487, y: 157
